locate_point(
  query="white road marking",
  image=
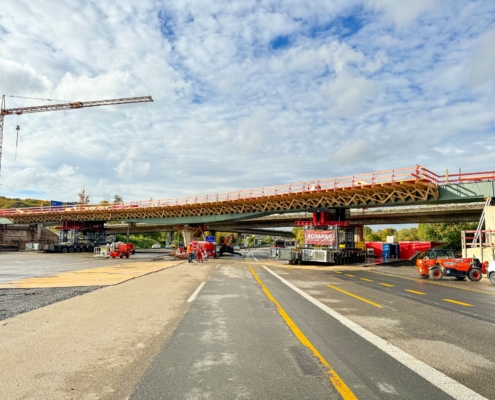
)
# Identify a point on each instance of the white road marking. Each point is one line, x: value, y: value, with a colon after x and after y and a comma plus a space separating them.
x: 193, y: 296
x: 255, y: 259
x: 435, y: 377
x: 217, y: 266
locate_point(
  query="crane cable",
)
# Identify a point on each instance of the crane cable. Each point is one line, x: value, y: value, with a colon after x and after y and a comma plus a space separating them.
x: 18, y: 127
x: 36, y: 98
x: 17, y: 138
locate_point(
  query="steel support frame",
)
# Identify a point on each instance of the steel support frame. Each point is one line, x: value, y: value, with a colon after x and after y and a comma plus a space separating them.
x: 380, y: 195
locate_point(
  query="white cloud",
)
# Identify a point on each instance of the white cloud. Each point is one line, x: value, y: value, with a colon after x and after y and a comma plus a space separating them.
x: 21, y: 78
x: 483, y: 64
x: 347, y: 94
x: 402, y: 11
x: 359, y: 85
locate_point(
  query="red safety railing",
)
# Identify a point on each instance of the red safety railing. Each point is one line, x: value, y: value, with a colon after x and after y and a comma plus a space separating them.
x: 460, y: 177
x: 311, y: 186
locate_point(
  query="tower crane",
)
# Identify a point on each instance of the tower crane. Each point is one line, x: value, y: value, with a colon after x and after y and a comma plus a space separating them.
x: 60, y: 107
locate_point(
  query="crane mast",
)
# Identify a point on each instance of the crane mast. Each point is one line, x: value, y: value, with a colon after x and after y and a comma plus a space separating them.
x: 61, y: 107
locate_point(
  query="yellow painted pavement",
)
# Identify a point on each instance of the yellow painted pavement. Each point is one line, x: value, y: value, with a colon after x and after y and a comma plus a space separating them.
x: 103, y: 276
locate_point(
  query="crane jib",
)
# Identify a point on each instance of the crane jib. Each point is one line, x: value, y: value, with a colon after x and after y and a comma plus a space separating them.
x: 60, y: 107
x: 75, y: 105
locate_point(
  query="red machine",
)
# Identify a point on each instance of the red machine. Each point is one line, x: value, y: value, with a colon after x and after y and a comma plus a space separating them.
x: 122, y: 250
x: 442, y: 262
x: 208, y: 247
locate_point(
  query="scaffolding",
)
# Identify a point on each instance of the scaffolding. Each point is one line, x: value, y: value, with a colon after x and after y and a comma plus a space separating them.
x: 480, y: 243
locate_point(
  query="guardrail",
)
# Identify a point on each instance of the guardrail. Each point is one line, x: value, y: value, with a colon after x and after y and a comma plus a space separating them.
x: 417, y: 173
x: 466, y: 177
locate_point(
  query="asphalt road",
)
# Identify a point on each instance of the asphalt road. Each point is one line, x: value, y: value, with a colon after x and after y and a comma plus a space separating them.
x: 255, y: 328
x: 234, y: 342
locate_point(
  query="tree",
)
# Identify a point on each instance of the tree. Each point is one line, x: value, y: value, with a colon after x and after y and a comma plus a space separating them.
x: 449, y: 233
x: 406, y: 235
x: 388, y: 232
x: 372, y: 237
x: 298, y: 234
x: 118, y: 199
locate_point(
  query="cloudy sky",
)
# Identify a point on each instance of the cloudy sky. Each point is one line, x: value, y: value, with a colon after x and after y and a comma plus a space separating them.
x: 246, y: 93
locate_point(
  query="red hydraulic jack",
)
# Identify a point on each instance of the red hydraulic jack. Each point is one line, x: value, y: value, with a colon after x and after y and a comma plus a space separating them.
x: 322, y: 219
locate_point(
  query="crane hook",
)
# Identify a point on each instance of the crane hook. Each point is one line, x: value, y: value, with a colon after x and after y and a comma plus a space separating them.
x: 16, y: 141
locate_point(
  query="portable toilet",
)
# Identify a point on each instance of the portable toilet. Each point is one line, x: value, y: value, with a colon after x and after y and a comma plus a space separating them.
x: 386, y: 250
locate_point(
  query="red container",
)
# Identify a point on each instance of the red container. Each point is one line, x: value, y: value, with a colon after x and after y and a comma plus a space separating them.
x: 406, y: 249
x: 376, y: 246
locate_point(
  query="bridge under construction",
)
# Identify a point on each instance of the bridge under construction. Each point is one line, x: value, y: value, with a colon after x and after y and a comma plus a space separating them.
x: 393, y: 188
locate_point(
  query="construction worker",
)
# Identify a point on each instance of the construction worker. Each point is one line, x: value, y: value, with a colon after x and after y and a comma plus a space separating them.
x: 189, y: 253
x: 199, y: 254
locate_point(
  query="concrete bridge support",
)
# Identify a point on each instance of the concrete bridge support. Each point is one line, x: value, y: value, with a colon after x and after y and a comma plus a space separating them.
x: 16, y: 236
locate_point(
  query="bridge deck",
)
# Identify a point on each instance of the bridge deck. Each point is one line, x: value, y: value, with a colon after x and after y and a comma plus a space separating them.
x: 385, y: 188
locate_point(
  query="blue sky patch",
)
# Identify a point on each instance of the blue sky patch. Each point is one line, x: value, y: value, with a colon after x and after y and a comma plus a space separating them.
x: 280, y: 42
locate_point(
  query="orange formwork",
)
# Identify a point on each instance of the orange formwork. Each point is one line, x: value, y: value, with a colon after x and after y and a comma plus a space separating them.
x: 405, y: 185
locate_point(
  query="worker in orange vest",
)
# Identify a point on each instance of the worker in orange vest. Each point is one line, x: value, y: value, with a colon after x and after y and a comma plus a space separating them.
x: 189, y: 253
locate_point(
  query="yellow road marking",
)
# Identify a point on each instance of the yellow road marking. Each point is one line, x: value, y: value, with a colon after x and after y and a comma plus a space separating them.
x: 339, y: 384
x: 434, y: 283
x: 386, y: 284
x: 352, y: 276
x: 366, y: 279
x: 414, y: 291
x: 338, y: 272
x: 355, y: 296
x: 458, y: 302
x: 102, y: 276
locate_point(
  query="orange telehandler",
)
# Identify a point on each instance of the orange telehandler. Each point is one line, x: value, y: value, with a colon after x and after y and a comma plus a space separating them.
x: 438, y: 263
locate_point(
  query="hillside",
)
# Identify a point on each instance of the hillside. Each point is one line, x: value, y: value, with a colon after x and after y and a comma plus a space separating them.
x: 6, y: 202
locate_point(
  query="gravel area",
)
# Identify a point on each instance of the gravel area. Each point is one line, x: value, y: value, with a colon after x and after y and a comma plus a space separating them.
x: 18, y: 301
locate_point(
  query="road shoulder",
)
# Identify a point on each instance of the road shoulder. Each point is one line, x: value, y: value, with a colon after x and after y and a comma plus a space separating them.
x: 97, y: 345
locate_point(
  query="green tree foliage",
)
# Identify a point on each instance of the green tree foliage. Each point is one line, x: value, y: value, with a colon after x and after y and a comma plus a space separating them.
x: 381, y: 235
x: 373, y: 236
x: 139, y: 241
x: 407, y: 235
x: 6, y: 202
x: 298, y: 234
x: 449, y: 233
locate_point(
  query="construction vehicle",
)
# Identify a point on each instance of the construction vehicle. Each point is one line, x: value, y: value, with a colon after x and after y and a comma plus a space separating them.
x: 438, y: 263
x: 58, y: 107
x: 79, y: 237
x: 328, y: 239
x: 226, y: 247
x: 490, y: 272
x: 121, y: 250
